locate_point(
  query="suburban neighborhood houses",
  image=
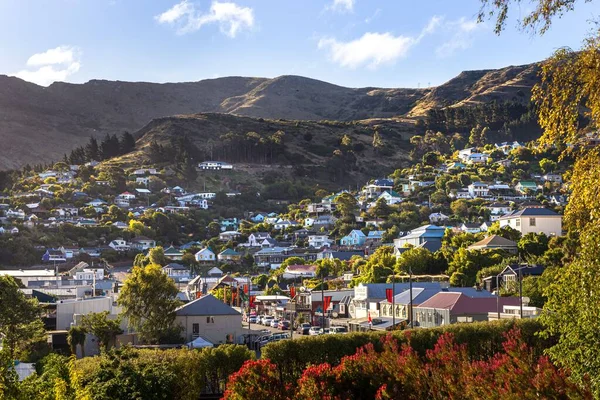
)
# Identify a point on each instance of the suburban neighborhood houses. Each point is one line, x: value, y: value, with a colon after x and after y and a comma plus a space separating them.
x: 317, y: 261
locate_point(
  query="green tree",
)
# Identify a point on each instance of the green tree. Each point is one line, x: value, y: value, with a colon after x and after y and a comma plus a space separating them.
x: 148, y: 298
x: 156, y: 256
x: 346, y: 204
x: 377, y: 141
x: 547, y: 165
x: 20, y: 323
x: 76, y: 337
x: 573, y: 311
x: 431, y: 158
x: 105, y: 329
x: 419, y: 260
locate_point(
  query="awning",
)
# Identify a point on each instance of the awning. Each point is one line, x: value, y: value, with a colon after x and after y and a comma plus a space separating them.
x: 199, y: 343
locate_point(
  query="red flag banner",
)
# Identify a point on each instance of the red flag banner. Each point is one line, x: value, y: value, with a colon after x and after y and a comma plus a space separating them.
x: 292, y: 291
x: 370, y: 320
x: 389, y: 293
x: 327, y: 300
x: 246, y: 289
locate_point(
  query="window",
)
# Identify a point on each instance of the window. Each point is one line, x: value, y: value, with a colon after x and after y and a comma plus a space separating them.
x: 518, y: 222
x: 195, y: 329
x: 210, y: 320
x: 531, y: 221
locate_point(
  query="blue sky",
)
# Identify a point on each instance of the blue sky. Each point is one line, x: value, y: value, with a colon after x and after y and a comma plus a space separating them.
x: 395, y: 43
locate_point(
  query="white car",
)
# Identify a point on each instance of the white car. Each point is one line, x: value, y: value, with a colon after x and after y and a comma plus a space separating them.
x: 315, y: 330
x: 274, y: 323
x: 266, y: 320
x: 337, y: 329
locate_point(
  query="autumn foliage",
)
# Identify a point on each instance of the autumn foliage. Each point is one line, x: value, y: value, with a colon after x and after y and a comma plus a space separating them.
x: 399, y: 372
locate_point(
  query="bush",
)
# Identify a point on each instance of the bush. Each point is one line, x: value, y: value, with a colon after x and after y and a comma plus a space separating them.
x: 398, y: 371
x: 482, y: 340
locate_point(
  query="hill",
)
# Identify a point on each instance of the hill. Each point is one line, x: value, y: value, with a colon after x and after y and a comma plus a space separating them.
x: 39, y: 124
x: 267, y: 149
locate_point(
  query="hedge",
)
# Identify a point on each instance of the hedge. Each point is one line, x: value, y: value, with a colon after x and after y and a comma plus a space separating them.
x: 483, y: 339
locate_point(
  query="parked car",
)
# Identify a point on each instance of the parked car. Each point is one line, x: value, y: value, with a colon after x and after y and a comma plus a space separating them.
x: 304, y: 328
x: 264, y: 340
x: 315, y: 330
x: 266, y: 320
x: 274, y: 323
x: 337, y: 329
x: 284, y: 325
x: 253, y: 319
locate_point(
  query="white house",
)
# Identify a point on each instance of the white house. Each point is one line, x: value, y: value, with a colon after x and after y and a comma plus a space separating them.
x: 255, y: 239
x: 477, y: 158
x: 437, y: 217
x: 318, y: 241
x: 390, y: 197
x: 142, y: 243
x: 478, y: 189
x: 534, y: 220
x: 142, y: 180
x: 299, y: 271
x: 497, y: 210
x: 215, y: 165
x: 209, y: 318
x: 465, y: 153
x: 126, y: 196
x: 205, y: 255
x: 119, y: 245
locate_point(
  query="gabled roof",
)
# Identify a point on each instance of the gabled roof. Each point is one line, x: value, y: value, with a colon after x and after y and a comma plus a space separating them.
x: 426, y: 231
x: 229, y: 252
x: 531, y: 212
x: 493, y: 241
x: 460, y: 303
x: 205, y: 250
x: 391, y: 193
x: 205, y: 305
x: 172, y: 250
x: 301, y: 269
x: 357, y: 232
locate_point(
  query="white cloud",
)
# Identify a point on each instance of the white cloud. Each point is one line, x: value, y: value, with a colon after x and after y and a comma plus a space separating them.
x: 370, y: 19
x: 230, y: 17
x: 462, y: 33
x: 342, y: 5
x: 374, y: 49
x: 52, y: 65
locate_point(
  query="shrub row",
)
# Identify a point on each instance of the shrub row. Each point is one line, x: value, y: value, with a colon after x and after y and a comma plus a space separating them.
x: 482, y: 339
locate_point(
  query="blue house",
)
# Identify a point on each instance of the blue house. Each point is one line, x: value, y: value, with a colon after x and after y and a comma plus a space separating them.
x: 258, y: 218
x: 427, y: 236
x: 354, y: 238
x: 229, y: 224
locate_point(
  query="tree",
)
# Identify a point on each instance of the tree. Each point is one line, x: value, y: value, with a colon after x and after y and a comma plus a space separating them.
x: 381, y: 209
x: 506, y: 232
x: 149, y: 299
x: 20, y: 323
x: 377, y: 141
x: 346, y: 204
x: 431, y: 158
x: 418, y: 260
x: 460, y: 207
x: 156, y: 256
x: 105, y: 329
x: 573, y: 311
x: 76, y: 337
x: 547, y: 165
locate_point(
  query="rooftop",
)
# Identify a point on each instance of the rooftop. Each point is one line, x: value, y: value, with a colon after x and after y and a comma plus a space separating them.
x: 205, y: 305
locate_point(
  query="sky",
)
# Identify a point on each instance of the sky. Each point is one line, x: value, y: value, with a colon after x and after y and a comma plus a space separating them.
x: 354, y: 43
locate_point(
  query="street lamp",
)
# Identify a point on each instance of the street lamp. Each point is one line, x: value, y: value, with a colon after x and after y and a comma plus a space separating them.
x: 412, y: 324
x: 394, y: 301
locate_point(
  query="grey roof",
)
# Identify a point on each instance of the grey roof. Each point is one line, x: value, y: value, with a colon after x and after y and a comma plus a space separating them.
x: 531, y: 212
x: 205, y: 305
x: 377, y: 290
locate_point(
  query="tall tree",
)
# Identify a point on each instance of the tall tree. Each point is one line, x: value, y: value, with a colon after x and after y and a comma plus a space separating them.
x: 76, y: 337
x: 20, y: 323
x: 104, y: 328
x: 148, y: 298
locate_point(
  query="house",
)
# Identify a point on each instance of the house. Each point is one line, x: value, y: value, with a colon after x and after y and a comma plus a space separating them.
x: 284, y: 223
x: 526, y: 186
x: 328, y: 254
x: 470, y: 228
x: 534, y: 220
x: 205, y: 255
x: 143, y: 192
x: 318, y: 241
x: 229, y: 235
x: 485, y: 226
x: 377, y: 187
x: 374, y: 238
x: 428, y: 236
x: 53, y: 255
x: 557, y: 178
x: 229, y: 224
x: 258, y: 218
x: 354, y: 238
x: 119, y: 245
x: 209, y: 318
x: 214, y: 271
x: 498, y: 209
x: 229, y: 256
x: 69, y: 251
x: 478, y: 189
x: 495, y: 242
x: 255, y: 239
x: 215, y: 165
x: 315, y: 208
x: 177, y: 272
x: 96, y: 203
x: 173, y: 253
x: 321, y: 221
x: 145, y: 171
x: 507, y: 147
x: 558, y: 200
x: 451, y: 307
x: 268, y: 242
x: 65, y: 210
x: 437, y: 217
x: 190, y: 245
x: 504, y: 162
x: 301, y: 234
x: 120, y: 225
x: 465, y: 153
x: 299, y: 271
x: 390, y: 197
x: 477, y: 158
x: 15, y: 214
x: 142, y: 243
x: 126, y: 196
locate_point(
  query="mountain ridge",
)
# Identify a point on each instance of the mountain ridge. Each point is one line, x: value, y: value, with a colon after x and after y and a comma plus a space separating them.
x: 40, y: 124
